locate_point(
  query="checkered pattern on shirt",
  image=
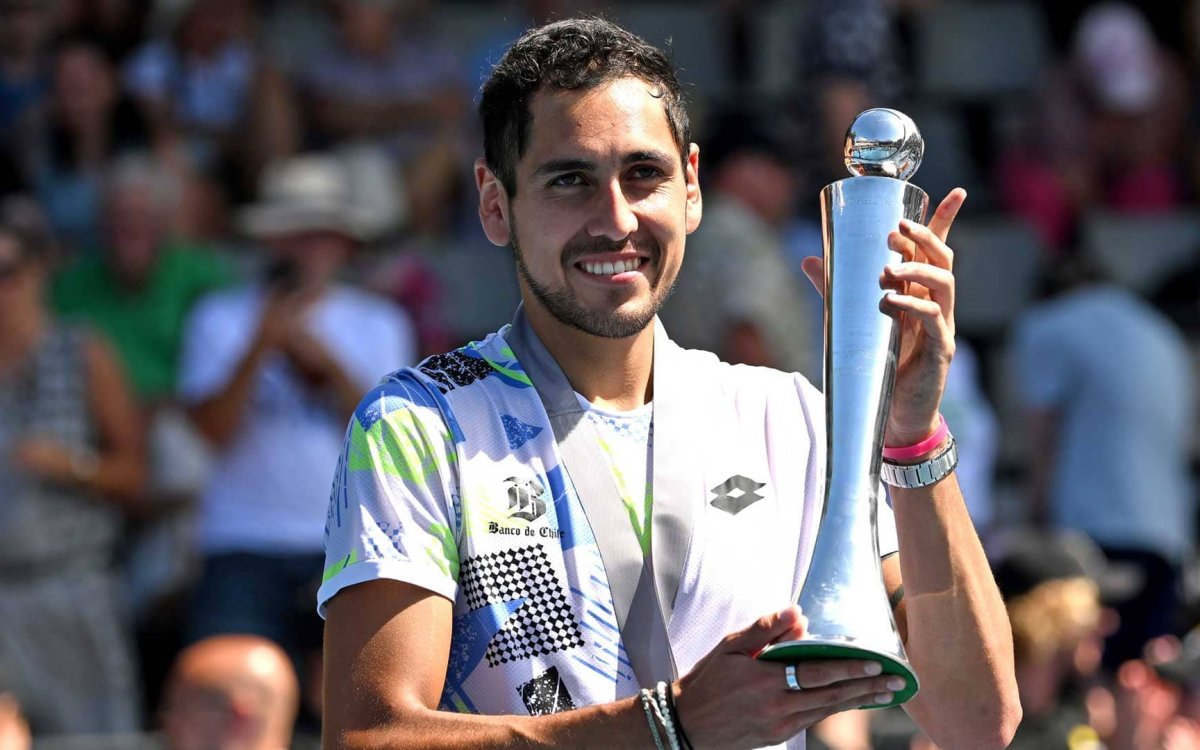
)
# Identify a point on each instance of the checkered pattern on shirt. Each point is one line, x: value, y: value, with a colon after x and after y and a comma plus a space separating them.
x: 544, y: 623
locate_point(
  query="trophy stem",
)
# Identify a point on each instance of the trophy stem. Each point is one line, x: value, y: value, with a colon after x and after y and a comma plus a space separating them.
x: 843, y: 595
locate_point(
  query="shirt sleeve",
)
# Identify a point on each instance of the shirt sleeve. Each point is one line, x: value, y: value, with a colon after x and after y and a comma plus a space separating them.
x: 392, y: 511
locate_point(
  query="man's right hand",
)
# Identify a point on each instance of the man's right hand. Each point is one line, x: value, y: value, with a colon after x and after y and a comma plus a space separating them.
x: 733, y: 700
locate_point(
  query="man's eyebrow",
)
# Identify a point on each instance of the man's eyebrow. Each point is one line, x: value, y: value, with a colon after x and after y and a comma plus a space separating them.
x: 653, y: 155
x: 556, y: 166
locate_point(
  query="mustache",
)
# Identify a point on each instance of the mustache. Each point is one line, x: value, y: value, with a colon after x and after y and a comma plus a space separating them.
x: 593, y: 245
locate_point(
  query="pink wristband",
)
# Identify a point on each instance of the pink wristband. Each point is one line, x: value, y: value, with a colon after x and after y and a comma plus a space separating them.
x: 909, y: 452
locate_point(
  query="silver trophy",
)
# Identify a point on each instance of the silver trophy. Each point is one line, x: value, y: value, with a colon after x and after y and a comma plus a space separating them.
x: 843, y: 596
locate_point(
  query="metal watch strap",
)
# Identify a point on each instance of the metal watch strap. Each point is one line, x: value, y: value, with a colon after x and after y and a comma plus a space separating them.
x: 923, y: 474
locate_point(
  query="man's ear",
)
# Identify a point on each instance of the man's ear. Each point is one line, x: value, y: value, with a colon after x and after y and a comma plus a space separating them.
x: 695, y: 202
x: 493, y: 205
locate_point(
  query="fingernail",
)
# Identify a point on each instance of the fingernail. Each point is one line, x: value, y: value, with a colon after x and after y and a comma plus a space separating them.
x: 896, y: 683
x: 907, y: 225
x: 883, y: 697
x: 873, y: 668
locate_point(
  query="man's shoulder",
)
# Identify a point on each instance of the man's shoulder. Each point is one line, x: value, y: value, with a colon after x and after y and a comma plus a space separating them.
x: 701, y: 363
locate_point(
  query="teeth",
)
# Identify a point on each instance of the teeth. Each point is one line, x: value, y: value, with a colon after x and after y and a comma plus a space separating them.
x: 608, y: 269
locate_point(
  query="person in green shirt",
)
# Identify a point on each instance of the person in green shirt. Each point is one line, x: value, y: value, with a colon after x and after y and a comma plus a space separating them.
x: 139, y: 289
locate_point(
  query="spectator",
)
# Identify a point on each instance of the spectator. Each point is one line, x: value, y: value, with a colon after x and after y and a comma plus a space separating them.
x: 271, y: 377
x: 230, y: 693
x: 89, y: 123
x: 1108, y: 387
x: 1050, y: 586
x: 70, y: 462
x: 385, y: 80
x: 25, y: 27
x: 140, y: 289
x: 199, y: 82
x: 1158, y: 696
x: 1108, y: 131
x: 744, y: 305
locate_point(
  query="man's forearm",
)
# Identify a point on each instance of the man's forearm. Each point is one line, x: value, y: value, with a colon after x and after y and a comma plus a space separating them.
x: 959, y: 640
x: 622, y: 724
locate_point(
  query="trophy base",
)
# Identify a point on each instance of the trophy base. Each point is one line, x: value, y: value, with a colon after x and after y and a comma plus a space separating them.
x: 793, y: 652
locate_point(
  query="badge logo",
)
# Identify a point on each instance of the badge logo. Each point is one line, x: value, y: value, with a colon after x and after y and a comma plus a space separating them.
x: 525, y: 498
x: 736, y: 494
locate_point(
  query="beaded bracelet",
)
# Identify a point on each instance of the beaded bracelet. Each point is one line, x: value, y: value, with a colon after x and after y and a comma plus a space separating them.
x: 665, y: 711
x: 647, y: 701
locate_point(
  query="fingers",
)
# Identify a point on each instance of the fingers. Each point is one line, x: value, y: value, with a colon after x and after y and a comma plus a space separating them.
x: 819, y: 673
x: 928, y: 246
x: 765, y: 631
x: 946, y: 213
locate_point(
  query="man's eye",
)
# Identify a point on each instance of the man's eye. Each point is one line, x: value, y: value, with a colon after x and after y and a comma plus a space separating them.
x: 567, y: 180
x: 645, y: 172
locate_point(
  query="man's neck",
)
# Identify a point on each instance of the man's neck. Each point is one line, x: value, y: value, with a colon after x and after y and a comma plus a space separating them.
x: 610, y: 373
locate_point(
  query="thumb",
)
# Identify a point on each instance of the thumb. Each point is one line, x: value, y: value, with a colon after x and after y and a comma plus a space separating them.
x: 766, y: 630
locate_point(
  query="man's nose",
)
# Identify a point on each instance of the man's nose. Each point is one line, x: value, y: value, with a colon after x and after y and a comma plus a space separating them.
x: 613, y: 216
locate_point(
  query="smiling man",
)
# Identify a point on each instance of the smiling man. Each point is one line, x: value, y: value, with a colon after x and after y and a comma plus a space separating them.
x: 576, y: 534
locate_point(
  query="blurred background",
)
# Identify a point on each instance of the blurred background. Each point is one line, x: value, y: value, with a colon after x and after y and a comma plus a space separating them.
x: 222, y: 220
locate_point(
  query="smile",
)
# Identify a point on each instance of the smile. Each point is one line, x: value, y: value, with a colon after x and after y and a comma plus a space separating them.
x: 608, y: 269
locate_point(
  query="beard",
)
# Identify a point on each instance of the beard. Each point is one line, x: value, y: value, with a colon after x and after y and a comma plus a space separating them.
x: 566, y: 308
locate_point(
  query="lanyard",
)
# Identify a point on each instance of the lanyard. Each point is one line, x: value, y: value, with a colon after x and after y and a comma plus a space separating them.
x: 643, y: 590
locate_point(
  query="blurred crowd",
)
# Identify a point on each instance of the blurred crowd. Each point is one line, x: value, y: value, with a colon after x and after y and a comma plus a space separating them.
x: 221, y: 221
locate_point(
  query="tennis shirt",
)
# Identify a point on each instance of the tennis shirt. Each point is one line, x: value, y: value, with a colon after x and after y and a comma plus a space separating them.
x: 451, y: 479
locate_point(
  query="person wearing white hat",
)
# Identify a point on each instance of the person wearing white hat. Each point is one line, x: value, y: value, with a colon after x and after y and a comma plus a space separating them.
x: 270, y: 372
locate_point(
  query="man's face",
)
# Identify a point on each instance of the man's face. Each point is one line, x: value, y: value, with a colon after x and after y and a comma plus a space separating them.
x: 602, y: 208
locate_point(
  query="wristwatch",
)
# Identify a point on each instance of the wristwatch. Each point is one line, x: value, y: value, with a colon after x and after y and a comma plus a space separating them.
x: 923, y: 474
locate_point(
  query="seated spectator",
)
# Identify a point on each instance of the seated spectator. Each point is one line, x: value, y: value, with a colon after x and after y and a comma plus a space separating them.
x: 1158, y: 696
x: 230, y: 692
x: 272, y: 371
x: 87, y: 124
x: 1050, y: 588
x: 385, y: 80
x: 1107, y: 132
x: 71, y: 461
x: 140, y: 288
x: 25, y: 27
x: 197, y: 82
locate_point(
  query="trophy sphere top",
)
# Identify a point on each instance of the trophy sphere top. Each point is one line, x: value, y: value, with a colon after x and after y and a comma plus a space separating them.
x: 883, y: 143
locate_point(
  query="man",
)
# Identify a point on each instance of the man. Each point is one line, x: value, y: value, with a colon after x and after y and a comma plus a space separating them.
x: 1107, y: 385
x: 269, y: 375
x: 139, y: 291
x: 462, y: 571
x: 234, y: 692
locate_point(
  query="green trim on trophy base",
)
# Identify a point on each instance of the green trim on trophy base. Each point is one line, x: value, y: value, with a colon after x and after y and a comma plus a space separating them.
x: 793, y: 652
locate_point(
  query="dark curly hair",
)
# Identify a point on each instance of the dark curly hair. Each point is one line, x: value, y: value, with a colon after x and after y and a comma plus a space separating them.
x: 579, y: 53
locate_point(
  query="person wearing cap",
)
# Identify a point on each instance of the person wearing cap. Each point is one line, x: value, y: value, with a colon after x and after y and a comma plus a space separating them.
x: 270, y: 372
x: 1051, y: 583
